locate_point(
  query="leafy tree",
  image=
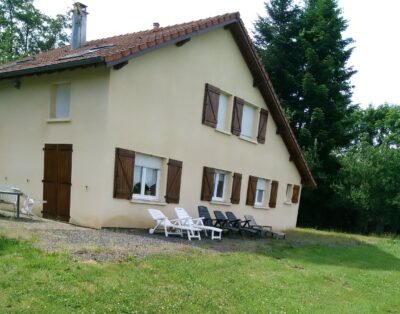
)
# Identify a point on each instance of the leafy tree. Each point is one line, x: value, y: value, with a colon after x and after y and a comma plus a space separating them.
x: 370, y: 174
x: 25, y: 30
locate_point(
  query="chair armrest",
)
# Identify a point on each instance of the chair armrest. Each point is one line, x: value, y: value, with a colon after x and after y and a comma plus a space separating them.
x: 246, y: 223
x: 178, y: 219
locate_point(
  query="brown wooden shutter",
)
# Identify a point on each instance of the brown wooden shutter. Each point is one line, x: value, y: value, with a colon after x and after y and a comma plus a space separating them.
x: 237, y: 116
x: 207, y: 186
x: 262, y: 126
x: 236, y: 184
x: 274, y: 194
x: 296, y: 194
x: 251, y: 191
x: 210, y: 106
x: 173, y: 181
x: 123, y: 173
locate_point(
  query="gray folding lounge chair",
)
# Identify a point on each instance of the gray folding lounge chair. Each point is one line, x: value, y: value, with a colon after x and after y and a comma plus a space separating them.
x: 241, y: 224
x: 223, y: 222
x: 205, y: 214
x: 266, y: 229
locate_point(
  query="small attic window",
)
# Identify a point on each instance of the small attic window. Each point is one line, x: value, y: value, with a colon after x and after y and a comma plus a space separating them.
x: 87, y: 51
x: 2, y: 67
x: 25, y: 60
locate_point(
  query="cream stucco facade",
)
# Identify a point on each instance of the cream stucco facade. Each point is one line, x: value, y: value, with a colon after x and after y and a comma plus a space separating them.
x: 154, y: 106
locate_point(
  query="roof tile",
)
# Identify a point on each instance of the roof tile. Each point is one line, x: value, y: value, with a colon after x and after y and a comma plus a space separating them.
x: 115, y: 47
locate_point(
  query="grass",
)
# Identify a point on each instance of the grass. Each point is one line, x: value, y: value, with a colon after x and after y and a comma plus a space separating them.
x: 311, y: 272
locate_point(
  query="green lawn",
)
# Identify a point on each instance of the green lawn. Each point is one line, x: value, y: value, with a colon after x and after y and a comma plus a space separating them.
x: 311, y: 272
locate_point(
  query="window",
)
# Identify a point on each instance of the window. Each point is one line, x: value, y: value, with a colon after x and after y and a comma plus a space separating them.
x: 263, y: 190
x: 222, y: 111
x: 248, y: 121
x: 289, y: 193
x: 219, y: 186
x: 146, y: 179
x: 60, y: 108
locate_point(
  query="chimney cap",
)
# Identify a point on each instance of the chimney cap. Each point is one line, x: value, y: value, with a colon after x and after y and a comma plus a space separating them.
x: 156, y: 25
x: 80, y: 5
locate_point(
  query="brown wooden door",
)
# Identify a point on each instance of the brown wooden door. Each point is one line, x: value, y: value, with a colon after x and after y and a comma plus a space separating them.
x: 57, y: 181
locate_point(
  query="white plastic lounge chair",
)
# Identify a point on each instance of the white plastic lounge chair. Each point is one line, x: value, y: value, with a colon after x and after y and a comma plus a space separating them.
x: 181, y: 213
x: 29, y: 202
x: 174, y: 226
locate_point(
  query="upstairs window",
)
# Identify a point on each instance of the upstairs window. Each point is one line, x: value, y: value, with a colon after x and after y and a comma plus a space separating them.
x: 60, y: 107
x: 146, y: 177
x: 222, y: 111
x: 248, y: 121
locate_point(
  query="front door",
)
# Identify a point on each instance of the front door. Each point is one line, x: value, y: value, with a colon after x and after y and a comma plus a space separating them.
x: 57, y: 181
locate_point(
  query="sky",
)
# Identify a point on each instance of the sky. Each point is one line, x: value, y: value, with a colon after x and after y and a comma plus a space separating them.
x: 371, y: 23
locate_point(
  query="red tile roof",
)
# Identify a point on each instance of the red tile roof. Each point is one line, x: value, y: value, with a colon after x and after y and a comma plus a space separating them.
x: 118, y: 49
x: 112, y: 49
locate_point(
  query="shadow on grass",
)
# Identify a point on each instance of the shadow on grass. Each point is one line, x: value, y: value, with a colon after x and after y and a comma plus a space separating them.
x: 302, y: 246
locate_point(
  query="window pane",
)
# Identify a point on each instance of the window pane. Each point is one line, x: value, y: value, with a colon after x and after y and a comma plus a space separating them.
x: 222, y: 107
x: 151, y: 182
x: 259, y: 196
x: 147, y: 161
x: 261, y: 184
x: 137, y: 180
x: 62, y: 101
x: 220, y: 185
x: 248, y: 121
x: 289, y: 192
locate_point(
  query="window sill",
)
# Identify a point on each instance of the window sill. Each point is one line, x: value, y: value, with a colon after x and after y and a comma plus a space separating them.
x: 260, y: 207
x: 148, y: 202
x: 222, y: 131
x: 54, y: 120
x: 247, y: 139
x: 220, y: 203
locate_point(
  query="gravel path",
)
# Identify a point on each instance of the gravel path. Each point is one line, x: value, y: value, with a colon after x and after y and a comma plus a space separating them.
x: 113, y: 244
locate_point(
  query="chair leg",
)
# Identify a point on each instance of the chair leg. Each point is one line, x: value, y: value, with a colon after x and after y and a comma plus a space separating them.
x: 152, y: 230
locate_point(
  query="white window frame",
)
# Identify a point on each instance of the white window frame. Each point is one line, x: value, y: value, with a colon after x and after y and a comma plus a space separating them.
x: 266, y: 193
x: 142, y: 195
x: 217, y: 174
x: 289, y: 193
x: 224, y: 126
x: 254, y: 122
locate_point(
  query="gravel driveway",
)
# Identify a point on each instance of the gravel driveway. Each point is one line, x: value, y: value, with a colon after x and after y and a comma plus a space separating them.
x: 114, y: 244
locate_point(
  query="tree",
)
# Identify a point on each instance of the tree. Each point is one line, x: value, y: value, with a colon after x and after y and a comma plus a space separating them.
x: 370, y: 174
x: 25, y: 30
x: 276, y: 37
x: 313, y: 84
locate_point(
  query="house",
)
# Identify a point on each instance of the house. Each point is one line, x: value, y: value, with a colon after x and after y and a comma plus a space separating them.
x: 183, y: 115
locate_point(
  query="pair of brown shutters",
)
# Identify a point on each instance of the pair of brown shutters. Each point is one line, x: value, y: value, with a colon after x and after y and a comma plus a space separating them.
x: 251, y: 192
x: 210, y: 113
x: 207, y: 186
x: 124, y: 171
